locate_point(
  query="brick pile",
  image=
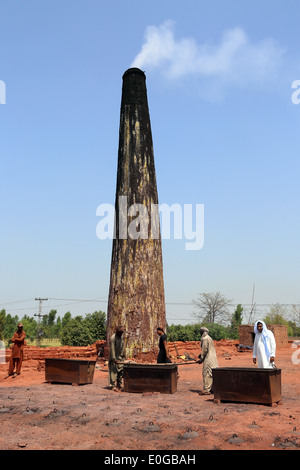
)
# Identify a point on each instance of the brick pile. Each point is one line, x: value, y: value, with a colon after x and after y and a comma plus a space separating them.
x: 182, y: 345
x: 246, y: 335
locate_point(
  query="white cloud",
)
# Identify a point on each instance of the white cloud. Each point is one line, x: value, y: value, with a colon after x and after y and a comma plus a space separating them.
x: 234, y: 59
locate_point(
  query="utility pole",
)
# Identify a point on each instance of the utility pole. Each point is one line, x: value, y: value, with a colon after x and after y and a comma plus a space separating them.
x: 39, y: 315
x: 253, y: 306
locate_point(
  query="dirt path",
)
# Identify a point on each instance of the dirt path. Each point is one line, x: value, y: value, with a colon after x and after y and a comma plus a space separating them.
x: 38, y: 415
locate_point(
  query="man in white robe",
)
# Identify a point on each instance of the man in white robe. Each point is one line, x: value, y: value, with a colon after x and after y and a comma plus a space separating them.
x: 264, y: 347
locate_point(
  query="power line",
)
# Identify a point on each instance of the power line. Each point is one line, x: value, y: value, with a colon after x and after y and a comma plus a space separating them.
x: 72, y: 301
x: 100, y: 299
x: 79, y: 300
x: 55, y: 299
x: 16, y: 302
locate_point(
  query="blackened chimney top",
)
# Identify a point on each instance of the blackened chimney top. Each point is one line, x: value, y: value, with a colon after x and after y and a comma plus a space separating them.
x: 134, y: 70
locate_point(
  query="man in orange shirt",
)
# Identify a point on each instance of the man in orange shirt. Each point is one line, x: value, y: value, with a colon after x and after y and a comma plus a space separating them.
x: 17, y: 351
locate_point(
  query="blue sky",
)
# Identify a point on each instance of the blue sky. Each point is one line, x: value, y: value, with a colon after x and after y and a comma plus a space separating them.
x: 225, y: 134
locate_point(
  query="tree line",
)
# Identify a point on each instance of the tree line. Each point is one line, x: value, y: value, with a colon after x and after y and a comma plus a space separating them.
x: 213, y: 307
x: 81, y: 330
x: 217, y: 331
x: 213, y: 310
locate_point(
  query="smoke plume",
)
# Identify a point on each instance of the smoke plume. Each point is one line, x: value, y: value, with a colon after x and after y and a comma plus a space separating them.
x: 235, y: 58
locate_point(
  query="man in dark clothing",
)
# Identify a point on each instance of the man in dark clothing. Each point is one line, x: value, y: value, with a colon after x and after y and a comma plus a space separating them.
x: 116, y: 357
x: 163, y: 355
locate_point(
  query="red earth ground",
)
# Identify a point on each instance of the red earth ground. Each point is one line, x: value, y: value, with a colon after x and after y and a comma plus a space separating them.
x: 36, y: 415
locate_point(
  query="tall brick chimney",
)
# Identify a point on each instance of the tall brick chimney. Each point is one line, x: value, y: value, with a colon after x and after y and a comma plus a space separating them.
x: 136, y: 294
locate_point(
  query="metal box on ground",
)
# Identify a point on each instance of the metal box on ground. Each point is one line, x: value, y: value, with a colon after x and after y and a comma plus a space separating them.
x: 71, y: 371
x: 139, y: 378
x: 250, y: 385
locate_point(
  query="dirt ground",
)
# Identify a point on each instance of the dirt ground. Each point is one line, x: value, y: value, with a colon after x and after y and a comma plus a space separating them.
x: 36, y: 415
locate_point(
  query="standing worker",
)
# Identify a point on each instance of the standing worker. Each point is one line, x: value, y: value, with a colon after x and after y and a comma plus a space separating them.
x: 208, y: 357
x: 16, y: 358
x: 116, y: 355
x: 264, y: 347
x: 163, y: 355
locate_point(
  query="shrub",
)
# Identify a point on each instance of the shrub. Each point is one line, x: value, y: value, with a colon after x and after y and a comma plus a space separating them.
x: 76, y: 333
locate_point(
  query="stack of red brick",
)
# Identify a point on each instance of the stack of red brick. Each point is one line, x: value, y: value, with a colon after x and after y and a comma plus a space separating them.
x: 64, y: 352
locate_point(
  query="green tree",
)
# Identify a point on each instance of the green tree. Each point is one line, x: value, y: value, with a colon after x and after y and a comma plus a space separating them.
x: 216, y: 331
x: 236, y: 321
x: 76, y: 333
x: 2, y: 324
x: 48, y: 324
x: 192, y: 332
x: 96, y: 323
x: 293, y: 329
x: 58, y: 328
x: 80, y: 331
x: 66, y: 318
x: 30, y: 327
x: 51, y: 317
x: 181, y: 332
x: 276, y: 315
x: 10, y: 326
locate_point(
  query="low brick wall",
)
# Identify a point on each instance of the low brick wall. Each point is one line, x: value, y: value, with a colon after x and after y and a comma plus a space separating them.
x: 70, y: 352
x: 66, y: 352
x: 280, y: 333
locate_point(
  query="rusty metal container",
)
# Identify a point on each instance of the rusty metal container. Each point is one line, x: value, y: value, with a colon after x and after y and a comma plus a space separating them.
x: 140, y: 378
x: 250, y: 385
x: 71, y: 371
